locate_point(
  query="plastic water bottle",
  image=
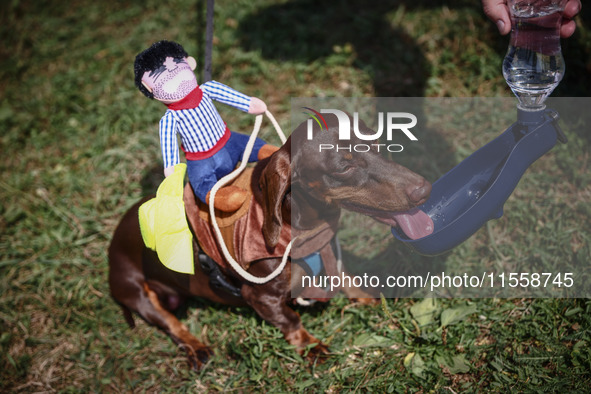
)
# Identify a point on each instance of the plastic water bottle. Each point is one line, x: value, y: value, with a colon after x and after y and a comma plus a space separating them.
x: 534, y: 65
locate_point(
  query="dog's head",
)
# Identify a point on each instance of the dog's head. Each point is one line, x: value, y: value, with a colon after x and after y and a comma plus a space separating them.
x: 315, y: 184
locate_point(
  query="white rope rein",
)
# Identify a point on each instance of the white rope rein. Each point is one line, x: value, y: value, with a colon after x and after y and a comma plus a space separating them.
x: 230, y: 177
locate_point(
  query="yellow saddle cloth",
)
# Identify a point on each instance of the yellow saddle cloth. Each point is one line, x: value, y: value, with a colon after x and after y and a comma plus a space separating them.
x: 163, y: 224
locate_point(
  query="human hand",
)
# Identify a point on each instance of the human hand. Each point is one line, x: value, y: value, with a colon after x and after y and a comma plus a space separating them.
x: 498, y: 12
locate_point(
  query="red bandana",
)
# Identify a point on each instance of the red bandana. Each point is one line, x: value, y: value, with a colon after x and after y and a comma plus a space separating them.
x: 191, y: 100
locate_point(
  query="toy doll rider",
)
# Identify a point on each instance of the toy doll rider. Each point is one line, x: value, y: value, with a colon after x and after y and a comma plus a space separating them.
x: 165, y: 72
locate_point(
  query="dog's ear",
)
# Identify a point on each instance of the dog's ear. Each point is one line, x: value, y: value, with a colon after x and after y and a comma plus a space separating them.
x: 274, y: 182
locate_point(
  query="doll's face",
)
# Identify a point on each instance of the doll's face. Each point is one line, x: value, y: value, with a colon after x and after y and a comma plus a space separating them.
x: 173, y: 80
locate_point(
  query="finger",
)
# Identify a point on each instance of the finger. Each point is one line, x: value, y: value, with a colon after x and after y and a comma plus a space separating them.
x: 572, y: 8
x: 497, y: 11
x: 568, y: 28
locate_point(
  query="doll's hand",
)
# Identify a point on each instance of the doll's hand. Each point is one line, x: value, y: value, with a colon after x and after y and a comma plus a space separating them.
x: 168, y: 171
x: 257, y: 106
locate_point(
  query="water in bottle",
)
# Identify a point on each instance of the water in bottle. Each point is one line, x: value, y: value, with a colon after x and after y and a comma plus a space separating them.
x: 534, y: 65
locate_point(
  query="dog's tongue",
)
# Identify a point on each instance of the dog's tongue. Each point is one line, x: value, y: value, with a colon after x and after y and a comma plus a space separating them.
x: 415, y: 223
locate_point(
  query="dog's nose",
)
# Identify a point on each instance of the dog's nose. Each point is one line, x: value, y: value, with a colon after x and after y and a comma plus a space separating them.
x: 419, y: 194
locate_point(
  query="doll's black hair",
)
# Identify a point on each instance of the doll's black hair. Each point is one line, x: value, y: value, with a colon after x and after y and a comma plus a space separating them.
x: 152, y: 58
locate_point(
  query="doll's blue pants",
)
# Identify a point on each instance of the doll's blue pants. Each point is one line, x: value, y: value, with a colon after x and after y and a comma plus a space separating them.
x: 203, y: 174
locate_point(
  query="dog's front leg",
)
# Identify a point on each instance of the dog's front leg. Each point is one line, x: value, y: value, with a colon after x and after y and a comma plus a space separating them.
x: 270, y: 302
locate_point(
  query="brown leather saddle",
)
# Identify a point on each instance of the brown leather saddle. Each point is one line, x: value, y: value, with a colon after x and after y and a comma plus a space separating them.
x: 242, y: 233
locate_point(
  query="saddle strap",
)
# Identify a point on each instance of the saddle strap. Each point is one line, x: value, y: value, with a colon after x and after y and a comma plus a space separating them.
x: 217, y: 280
x: 330, y: 268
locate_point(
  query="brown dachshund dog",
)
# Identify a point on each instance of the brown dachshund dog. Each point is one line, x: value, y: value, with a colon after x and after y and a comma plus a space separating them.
x: 296, y: 186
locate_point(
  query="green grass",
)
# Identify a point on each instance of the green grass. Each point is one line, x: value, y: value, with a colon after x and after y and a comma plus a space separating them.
x: 80, y: 146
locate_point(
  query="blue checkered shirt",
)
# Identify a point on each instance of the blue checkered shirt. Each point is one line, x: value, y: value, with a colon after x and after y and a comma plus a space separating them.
x: 200, y: 128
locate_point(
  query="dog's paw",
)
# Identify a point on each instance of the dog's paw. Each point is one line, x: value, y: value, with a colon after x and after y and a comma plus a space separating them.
x: 317, y: 353
x: 306, y: 345
x: 365, y: 301
x: 198, y: 357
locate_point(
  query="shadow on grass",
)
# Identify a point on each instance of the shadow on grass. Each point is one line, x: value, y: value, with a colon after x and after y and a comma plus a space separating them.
x: 305, y: 31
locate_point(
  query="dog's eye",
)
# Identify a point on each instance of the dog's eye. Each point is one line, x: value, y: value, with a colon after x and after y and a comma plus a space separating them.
x: 346, y: 171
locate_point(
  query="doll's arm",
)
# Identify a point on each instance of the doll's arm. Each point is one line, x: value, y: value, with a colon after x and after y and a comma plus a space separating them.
x: 168, y: 143
x: 226, y: 95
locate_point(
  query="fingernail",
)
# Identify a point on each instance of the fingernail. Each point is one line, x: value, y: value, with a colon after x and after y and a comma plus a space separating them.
x: 500, y: 25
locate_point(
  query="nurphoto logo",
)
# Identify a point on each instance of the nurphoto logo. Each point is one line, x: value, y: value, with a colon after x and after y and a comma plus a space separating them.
x: 393, y: 126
